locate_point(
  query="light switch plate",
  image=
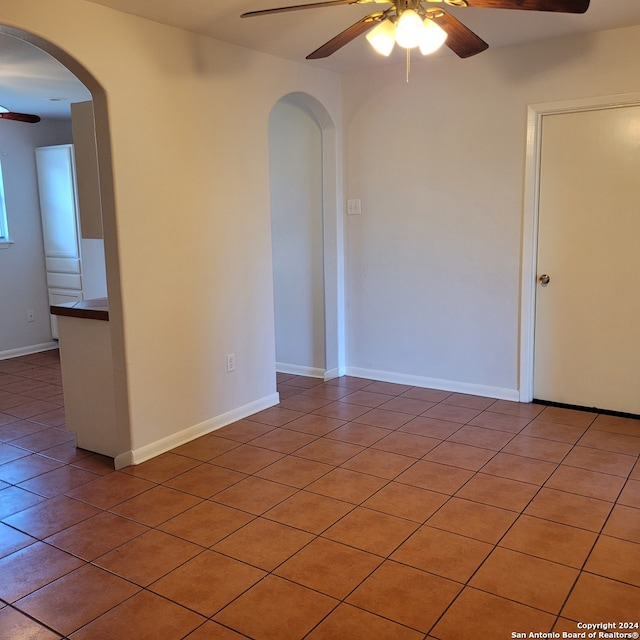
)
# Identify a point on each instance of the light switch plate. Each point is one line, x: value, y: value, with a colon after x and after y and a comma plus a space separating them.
x: 354, y: 207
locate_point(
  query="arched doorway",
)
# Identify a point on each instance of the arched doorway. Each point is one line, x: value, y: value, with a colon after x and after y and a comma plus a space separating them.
x: 306, y: 238
x: 103, y: 148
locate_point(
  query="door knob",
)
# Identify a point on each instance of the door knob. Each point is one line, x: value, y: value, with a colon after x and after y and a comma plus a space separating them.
x: 544, y: 279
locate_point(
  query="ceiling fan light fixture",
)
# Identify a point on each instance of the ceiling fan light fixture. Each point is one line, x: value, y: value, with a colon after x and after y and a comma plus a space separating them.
x: 410, y: 29
x: 383, y: 37
x: 434, y: 36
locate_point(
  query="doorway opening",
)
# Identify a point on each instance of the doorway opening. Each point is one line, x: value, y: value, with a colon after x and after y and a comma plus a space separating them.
x: 306, y: 239
x: 54, y: 247
x: 102, y: 144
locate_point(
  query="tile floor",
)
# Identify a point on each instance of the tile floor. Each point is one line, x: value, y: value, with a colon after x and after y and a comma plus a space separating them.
x: 353, y: 510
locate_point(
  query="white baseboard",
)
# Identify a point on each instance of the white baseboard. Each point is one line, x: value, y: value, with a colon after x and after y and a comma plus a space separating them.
x: 163, y: 445
x: 330, y: 374
x: 310, y: 372
x: 300, y: 370
x: 27, y: 351
x: 499, y: 393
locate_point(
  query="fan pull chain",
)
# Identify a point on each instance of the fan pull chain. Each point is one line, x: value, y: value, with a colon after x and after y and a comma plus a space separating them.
x: 408, y: 63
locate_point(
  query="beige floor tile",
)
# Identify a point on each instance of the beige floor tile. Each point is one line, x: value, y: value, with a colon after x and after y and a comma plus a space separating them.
x: 309, y: 511
x: 406, y: 595
x: 295, y: 472
x: 205, y: 480
x: 446, y: 554
x: 148, y: 557
x: 247, y: 459
x: 379, y: 463
x: 519, y: 468
x: 617, y: 464
x: 28, y: 569
x: 630, y: 495
x: 404, y: 501
x: 254, y: 495
x: 329, y: 567
x: 602, y: 599
x: 472, y: 519
x: 586, y: 483
x: 355, y: 433
x: 624, y: 522
x: 481, y: 437
x: 407, y: 444
x: 74, y: 600
x: 538, y: 448
x: 615, y: 559
x: 460, y: 455
x: 528, y: 580
x: 162, y: 468
x: 550, y: 540
x: 97, y: 535
x: 263, y: 543
x: 111, y: 490
x: 371, y: 531
x: 569, y: 508
x: 276, y: 609
x: 156, y: 506
x: 436, y: 477
x: 15, y: 624
x: 206, y: 447
x: 350, y: 486
x: 476, y: 614
x: 145, y: 615
x: 208, y: 582
x: 206, y: 524
x: 46, y: 518
x: 329, y: 451
x: 498, y: 492
x: 349, y: 622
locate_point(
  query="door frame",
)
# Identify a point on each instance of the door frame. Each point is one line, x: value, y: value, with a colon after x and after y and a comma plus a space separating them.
x: 529, y: 242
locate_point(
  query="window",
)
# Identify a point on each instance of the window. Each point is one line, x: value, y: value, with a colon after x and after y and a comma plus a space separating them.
x: 4, y: 230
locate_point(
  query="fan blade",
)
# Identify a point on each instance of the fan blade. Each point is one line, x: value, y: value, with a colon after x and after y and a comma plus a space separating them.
x: 349, y: 34
x: 20, y: 117
x: 562, y: 6
x: 297, y: 7
x: 461, y: 40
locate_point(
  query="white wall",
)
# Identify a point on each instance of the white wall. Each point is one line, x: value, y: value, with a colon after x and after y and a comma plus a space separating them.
x: 295, y: 169
x: 94, y: 282
x: 188, y: 251
x: 23, y: 283
x: 433, y: 263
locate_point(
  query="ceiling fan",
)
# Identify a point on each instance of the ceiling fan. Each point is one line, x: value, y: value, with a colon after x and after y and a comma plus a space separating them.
x: 412, y: 23
x: 18, y: 117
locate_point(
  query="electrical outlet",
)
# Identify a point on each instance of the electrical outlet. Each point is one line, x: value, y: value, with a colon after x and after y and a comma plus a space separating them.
x: 231, y: 362
x: 30, y: 316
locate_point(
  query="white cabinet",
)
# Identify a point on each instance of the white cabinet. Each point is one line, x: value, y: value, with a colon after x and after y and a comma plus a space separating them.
x: 86, y: 154
x: 61, y: 230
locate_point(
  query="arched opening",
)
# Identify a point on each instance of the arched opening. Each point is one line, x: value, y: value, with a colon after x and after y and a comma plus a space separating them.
x: 306, y: 238
x: 103, y: 152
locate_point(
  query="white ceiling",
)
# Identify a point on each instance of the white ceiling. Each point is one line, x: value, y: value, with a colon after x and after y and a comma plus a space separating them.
x: 295, y: 34
x: 31, y: 81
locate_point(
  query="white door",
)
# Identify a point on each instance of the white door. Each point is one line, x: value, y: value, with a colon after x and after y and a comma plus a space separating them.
x: 587, y: 331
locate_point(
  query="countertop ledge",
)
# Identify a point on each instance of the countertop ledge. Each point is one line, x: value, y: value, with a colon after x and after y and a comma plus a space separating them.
x: 96, y: 309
